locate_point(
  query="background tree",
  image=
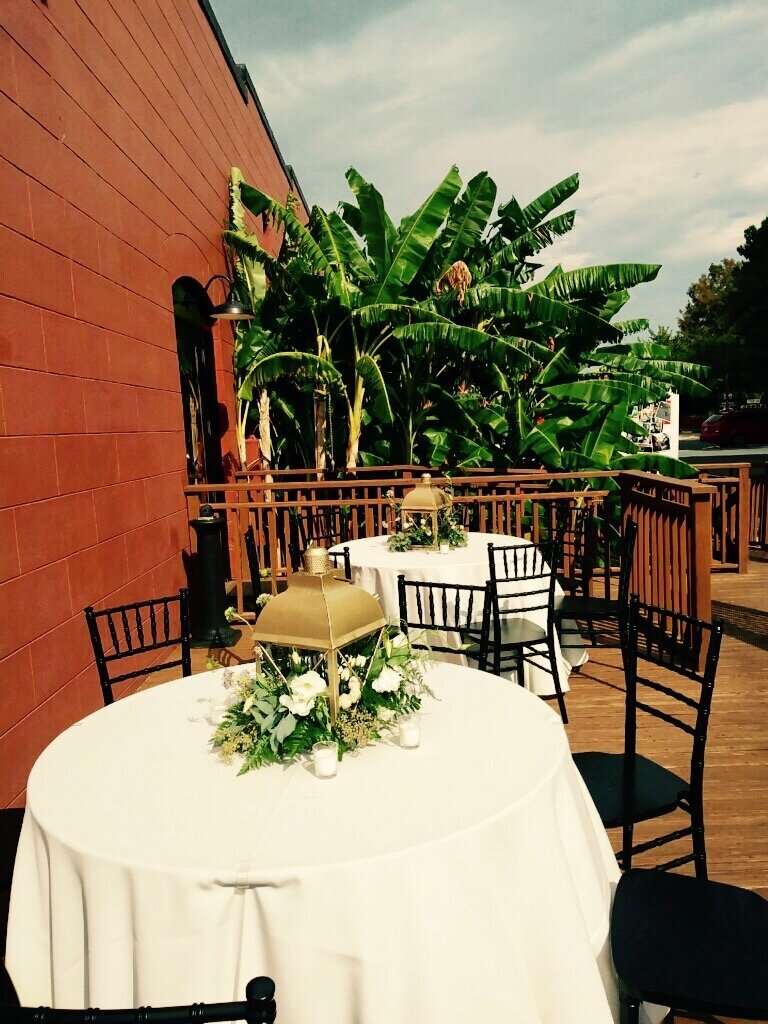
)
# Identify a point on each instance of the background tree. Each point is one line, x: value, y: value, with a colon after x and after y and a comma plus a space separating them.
x: 725, y: 322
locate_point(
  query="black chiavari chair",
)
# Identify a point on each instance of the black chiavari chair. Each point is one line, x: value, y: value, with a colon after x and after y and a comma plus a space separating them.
x: 628, y: 788
x: 696, y: 946
x: 523, y: 585
x: 258, y: 1007
x: 252, y: 555
x: 437, y: 610
x: 589, y: 609
x: 136, y: 629
x: 11, y: 820
x: 341, y: 560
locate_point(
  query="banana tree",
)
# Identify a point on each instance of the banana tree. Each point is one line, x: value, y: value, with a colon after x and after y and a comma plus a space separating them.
x: 261, y: 357
x: 450, y: 344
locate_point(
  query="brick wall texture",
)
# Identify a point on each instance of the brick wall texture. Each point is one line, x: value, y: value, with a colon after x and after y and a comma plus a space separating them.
x: 119, y: 121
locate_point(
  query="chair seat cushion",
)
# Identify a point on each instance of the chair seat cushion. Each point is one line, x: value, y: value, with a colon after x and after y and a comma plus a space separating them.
x: 657, y: 791
x: 515, y: 630
x: 691, y: 944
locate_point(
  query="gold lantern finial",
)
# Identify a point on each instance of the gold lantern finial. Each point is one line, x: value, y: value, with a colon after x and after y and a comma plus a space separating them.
x: 319, y: 611
x: 316, y: 560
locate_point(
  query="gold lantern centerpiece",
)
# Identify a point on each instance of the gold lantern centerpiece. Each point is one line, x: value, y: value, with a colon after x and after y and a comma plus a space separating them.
x: 320, y: 611
x: 420, y: 512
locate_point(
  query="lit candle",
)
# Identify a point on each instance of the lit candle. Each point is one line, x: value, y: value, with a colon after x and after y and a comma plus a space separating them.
x: 325, y: 757
x: 408, y: 731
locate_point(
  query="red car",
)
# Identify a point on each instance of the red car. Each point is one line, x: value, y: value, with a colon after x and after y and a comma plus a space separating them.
x: 736, y: 427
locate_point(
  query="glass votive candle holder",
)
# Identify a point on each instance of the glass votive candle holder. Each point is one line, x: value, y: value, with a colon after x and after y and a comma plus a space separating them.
x: 445, y: 546
x: 325, y: 758
x: 409, y: 731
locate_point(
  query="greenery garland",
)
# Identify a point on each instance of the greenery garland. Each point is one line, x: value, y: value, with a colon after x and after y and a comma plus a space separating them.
x: 281, y: 706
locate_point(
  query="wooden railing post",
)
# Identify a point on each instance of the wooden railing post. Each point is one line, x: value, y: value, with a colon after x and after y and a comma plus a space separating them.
x: 742, y: 513
x: 700, y: 593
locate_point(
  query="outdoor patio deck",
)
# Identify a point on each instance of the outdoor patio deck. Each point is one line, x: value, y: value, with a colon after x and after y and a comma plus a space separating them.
x: 736, y: 781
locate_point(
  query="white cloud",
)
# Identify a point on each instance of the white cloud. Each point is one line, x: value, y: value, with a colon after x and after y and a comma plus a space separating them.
x: 664, y: 118
x: 682, y: 34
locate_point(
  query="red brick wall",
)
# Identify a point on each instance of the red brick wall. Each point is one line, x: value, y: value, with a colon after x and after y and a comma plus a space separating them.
x: 119, y: 121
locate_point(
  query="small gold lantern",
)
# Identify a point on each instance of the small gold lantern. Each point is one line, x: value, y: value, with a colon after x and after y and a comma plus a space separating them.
x: 424, y: 502
x: 320, y: 611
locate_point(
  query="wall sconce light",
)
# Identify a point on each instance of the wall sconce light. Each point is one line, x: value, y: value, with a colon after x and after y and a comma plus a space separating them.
x: 231, y: 308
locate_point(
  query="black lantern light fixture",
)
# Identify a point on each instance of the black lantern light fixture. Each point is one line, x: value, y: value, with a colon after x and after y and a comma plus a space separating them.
x: 231, y: 308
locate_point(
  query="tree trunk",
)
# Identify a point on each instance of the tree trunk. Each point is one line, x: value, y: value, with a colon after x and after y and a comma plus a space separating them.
x: 265, y: 428
x: 355, y: 424
x: 320, y: 399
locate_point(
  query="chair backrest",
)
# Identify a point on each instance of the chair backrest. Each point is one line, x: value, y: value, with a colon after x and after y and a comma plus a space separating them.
x: 574, y: 528
x: 440, y: 608
x: 133, y: 629
x: 252, y: 554
x: 326, y: 526
x: 678, y: 644
x: 258, y: 1007
x: 523, y: 572
x: 341, y: 559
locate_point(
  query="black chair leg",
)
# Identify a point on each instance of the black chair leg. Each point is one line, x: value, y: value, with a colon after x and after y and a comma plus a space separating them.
x: 629, y: 1009
x: 699, y: 849
x: 520, y: 666
x: 627, y: 834
x: 556, y: 680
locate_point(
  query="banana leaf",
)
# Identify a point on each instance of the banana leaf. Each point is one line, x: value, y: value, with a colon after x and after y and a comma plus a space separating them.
x: 605, y: 392
x: 376, y: 228
x: 518, y: 220
x: 467, y: 220
x: 370, y: 371
x: 531, y: 305
x: 531, y: 242
x: 602, y: 280
x: 414, y: 238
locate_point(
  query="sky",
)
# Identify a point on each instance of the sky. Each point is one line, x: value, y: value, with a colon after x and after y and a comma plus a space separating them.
x: 660, y: 105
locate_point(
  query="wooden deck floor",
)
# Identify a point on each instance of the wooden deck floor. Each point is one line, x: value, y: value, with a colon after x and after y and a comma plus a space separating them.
x: 736, y: 781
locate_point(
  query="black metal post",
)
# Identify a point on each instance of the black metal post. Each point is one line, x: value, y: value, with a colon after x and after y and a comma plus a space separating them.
x: 210, y: 628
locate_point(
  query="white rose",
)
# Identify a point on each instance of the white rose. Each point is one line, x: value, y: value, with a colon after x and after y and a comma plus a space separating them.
x: 346, y: 700
x: 359, y: 660
x: 295, y: 658
x: 400, y: 640
x: 297, y: 706
x: 344, y: 673
x: 385, y: 714
x: 387, y: 681
x: 307, y: 686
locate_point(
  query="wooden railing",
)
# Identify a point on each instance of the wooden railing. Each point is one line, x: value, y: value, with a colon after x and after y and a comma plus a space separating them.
x: 674, y: 551
x: 519, y: 515
x: 673, y: 554
x: 731, y: 515
x: 737, y: 520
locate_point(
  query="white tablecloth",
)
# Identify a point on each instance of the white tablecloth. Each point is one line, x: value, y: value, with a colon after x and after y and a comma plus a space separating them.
x: 376, y: 568
x: 469, y: 879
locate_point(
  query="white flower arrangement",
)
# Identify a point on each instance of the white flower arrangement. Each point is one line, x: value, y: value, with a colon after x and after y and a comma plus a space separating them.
x: 281, y: 707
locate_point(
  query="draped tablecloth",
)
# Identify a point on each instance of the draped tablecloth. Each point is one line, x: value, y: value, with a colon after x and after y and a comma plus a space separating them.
x: 469, y: 879
x: 376, y: 568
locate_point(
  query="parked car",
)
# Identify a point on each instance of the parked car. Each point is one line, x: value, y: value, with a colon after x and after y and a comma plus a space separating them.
x: 736, y: 427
